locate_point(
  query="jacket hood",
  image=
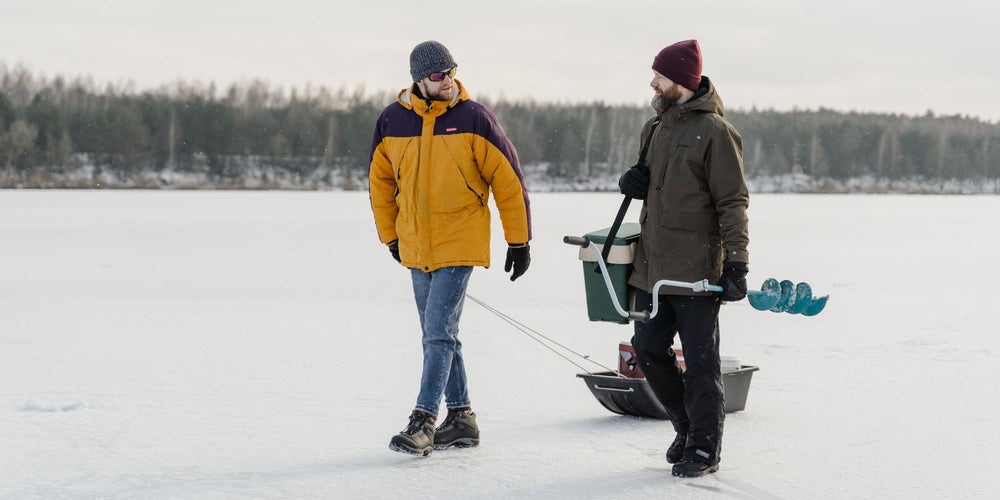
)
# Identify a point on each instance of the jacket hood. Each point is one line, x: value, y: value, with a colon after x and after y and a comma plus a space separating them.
x: 705, y: 100
x: 409, y: 99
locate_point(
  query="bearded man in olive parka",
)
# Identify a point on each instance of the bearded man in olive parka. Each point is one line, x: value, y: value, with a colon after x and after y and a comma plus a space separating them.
x: 694, y: 226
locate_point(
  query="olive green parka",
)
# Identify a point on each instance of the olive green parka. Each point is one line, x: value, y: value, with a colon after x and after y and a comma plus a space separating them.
x: 695, y: 212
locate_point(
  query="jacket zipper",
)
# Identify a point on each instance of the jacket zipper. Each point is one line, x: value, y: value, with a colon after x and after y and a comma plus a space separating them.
x: 467, y: 186
x: 480, y: 198
x: 663, y: 173
x: 399, y: 171
x: 399, y: 178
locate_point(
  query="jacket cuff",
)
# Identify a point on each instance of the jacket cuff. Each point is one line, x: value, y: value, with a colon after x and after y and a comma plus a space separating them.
x: 737, y: 255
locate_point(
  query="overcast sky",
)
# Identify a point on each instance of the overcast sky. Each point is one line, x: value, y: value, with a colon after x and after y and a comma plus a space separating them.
x: 904, y: 56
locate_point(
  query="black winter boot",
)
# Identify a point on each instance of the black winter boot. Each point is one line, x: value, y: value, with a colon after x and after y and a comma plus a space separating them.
x: 418, y: 436
x: 459, y: 430
x: 694, y: 468
x: 676, y: 450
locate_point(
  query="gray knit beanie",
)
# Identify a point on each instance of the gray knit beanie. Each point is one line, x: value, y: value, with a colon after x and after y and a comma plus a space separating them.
x: 429, y: 57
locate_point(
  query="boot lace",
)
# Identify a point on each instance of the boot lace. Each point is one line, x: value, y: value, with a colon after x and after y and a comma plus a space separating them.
x: 417, y: 420
x: 449, y: 420
x: 453, y: 415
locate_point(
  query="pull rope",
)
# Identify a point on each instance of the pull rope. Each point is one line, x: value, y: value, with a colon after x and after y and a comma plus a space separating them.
x: 534, y: 335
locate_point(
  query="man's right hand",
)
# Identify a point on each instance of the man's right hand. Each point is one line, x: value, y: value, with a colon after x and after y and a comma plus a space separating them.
x: 394, y: 249
x: 635, y: 182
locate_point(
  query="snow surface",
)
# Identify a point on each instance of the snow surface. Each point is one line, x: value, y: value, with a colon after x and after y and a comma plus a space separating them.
x: 264, y: 344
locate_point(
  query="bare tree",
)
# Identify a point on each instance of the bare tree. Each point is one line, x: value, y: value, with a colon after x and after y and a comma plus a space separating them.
x: 587, y: 141
x: 17, y: 141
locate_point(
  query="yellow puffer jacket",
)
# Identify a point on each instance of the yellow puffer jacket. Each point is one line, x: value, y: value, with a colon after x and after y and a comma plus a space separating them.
x: 433, y: 164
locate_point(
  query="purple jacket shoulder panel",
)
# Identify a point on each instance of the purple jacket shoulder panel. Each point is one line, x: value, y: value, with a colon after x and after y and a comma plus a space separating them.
x: 395, y: 121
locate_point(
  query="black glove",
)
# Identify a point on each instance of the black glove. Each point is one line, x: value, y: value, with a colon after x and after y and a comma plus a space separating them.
x: 518, y: 258
x: 733, y: 281
x: 635, y: 182
x: 394, y: 249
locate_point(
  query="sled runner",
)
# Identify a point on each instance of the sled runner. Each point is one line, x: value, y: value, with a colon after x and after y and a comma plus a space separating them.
x: 632, y: 396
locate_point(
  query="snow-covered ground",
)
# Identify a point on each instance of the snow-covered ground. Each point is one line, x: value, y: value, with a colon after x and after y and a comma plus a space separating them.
x: 264, y: 344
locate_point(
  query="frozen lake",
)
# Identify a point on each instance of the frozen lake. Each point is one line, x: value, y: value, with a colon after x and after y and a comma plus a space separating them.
x: 265, y: 344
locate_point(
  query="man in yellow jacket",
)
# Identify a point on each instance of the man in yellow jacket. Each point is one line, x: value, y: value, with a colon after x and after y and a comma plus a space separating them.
x: 435, y: 156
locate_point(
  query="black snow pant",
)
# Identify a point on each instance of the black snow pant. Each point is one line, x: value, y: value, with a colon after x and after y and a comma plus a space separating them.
x: 693, y: 399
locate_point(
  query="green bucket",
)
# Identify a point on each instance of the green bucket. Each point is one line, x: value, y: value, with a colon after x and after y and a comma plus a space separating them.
x: 619, y: 264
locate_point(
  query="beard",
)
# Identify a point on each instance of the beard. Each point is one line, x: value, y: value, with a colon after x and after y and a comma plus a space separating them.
x: 442, y: 95
x: 667, y: 98
x: 423, y: 91
x: 659, y: 103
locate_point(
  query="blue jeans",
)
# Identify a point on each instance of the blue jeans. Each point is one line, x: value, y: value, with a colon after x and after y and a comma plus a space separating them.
x: 440, y: 295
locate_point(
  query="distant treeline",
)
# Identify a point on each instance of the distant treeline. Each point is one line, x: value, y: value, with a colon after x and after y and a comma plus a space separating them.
x: 73, y: 133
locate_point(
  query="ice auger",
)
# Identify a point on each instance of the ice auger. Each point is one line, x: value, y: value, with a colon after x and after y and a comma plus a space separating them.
x: 783, y: 296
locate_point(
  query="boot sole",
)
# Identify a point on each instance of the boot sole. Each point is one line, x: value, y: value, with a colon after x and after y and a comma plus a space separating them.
x: 458, y: 443
x: 401, y: 448
x: 705, y: 472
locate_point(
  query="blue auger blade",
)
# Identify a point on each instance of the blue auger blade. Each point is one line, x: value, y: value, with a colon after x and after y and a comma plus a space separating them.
x: 816, y: 306
x: 785, y: 296
x: 802, y: 299
x: 766, y: 297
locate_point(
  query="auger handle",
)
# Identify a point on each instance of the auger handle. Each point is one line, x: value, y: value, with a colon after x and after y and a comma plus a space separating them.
x: 580, y: 241
x: 642, y: 316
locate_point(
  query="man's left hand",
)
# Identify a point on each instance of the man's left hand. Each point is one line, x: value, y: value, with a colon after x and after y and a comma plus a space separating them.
x: 734, y: 281
x: 518, y: 259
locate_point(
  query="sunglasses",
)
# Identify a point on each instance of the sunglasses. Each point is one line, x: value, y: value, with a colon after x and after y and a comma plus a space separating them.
x: 439, y: 75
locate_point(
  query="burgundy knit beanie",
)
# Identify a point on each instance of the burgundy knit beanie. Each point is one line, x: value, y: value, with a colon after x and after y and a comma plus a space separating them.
x: 681, y: 63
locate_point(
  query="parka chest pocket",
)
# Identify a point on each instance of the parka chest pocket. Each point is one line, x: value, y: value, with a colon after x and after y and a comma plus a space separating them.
x: 464, y: 162
x: 678, y: 154
x: 457, y: 186
x: 680, y: 150
x: 687, y: 158
x: 473, y: 182
x: 404, y: 157
x: 691, y: 148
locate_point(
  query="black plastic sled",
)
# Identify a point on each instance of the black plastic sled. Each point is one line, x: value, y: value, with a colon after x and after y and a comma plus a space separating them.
x: 632, y: 396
